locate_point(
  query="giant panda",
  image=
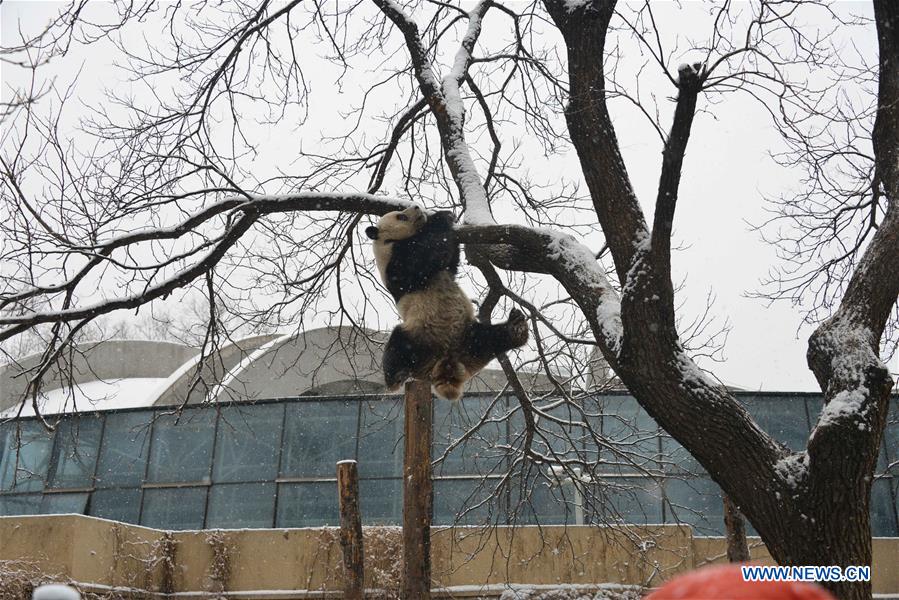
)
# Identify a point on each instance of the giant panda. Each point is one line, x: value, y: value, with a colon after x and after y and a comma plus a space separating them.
x: 439, y: 338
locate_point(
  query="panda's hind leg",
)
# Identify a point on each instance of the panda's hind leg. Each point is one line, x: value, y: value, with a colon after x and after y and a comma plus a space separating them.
x: 515, y: 331
x: 404, y: 358
x: 489, y: 340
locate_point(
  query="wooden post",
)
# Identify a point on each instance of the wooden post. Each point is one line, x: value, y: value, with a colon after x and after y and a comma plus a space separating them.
x: 350, y: 529
x: 417, y: 492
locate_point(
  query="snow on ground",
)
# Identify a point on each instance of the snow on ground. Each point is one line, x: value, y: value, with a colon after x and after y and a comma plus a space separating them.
x: 93, y: 395
x: 608, y: 591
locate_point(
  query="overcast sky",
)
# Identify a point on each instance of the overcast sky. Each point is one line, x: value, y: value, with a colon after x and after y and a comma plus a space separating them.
x: 726, y: 174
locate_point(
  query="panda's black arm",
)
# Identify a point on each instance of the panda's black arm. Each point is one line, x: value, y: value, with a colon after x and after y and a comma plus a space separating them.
x: 417, y: 259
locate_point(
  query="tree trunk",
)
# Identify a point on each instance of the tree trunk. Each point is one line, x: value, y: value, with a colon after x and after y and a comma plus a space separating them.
x: 417, y: 492
x: 811, y: 508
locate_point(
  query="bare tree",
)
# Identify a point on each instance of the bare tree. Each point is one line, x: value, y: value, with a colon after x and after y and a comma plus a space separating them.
x: 171, y: 194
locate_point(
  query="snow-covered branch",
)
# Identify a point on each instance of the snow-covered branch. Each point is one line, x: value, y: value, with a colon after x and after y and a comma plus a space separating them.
x: 247, y: 209
x: 446, y: 104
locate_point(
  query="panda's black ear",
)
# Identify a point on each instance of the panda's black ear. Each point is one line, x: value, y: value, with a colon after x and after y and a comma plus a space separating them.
x: 372, y: 232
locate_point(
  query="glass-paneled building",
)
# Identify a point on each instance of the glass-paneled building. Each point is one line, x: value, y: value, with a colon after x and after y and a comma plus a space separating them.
x: 272, y: 463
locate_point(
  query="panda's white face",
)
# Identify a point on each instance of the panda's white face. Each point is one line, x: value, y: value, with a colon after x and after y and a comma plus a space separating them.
x: 398, y: 225
x: 394, y: 227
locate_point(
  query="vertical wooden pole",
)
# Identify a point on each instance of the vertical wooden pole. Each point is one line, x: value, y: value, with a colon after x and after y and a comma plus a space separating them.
x: 417, y: 492
x: 350, y: 529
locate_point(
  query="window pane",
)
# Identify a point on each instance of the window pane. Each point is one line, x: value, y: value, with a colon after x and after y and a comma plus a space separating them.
x: 116, y: 505
x: 63, y: 504
x: 237, y: 506
x: 75, y: 452
x: 814, y: 405
x: 20, y: 504
x: 676, y: 460
x: 637, y: 436
x: 123, y: 454
x: 462, y: 501
x: 248, y: 443
x: 695, y: 502
x: 174, y: 508
x: 307, y: 504
x: 783, y: 417
x: 318, y: 434
x: 635, y: 500
x: 181, y: 449
x: 381, y: 439
x: 381, y: 501
x: 891, y: 436
x: 7, y: 440
x: 478, y: 454
x: 561, y: 437
x: 883, y: 510
x: 544, y: 502
x: 25, y: 469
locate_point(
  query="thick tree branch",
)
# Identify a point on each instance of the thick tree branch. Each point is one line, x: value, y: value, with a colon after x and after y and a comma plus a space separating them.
x: 249, y: 208
x: 886, y: 124
x: 843, y: 351
x: 695, y: 410
x: 689, y: 83
x: 584, y: 26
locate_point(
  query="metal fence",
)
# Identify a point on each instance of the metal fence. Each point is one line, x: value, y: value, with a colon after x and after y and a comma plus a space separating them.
x: 272, y: 464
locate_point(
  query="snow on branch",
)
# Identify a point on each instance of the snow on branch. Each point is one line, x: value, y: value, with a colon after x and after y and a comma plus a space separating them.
x: 577, y: 258
x: 446, y: 104
x: 850, y: 347
x: 569, y: 261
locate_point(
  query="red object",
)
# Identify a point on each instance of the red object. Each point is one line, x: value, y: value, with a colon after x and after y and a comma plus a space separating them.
x: 725, y: 582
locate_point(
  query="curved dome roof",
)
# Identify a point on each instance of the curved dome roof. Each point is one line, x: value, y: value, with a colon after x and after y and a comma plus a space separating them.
x: 341, y: 360
x: 192, y: 381
x: 94, y: 371
x: 133, y: 373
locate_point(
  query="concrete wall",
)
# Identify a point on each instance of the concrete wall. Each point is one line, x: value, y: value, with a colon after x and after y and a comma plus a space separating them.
x: 292, y: 563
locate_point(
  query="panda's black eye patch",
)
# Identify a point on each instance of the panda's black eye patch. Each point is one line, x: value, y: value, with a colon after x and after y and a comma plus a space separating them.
x: 402, y: 217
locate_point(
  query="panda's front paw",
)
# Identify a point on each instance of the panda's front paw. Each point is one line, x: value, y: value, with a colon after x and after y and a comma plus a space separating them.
x: 394, y: 381
x: 517, y: 325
